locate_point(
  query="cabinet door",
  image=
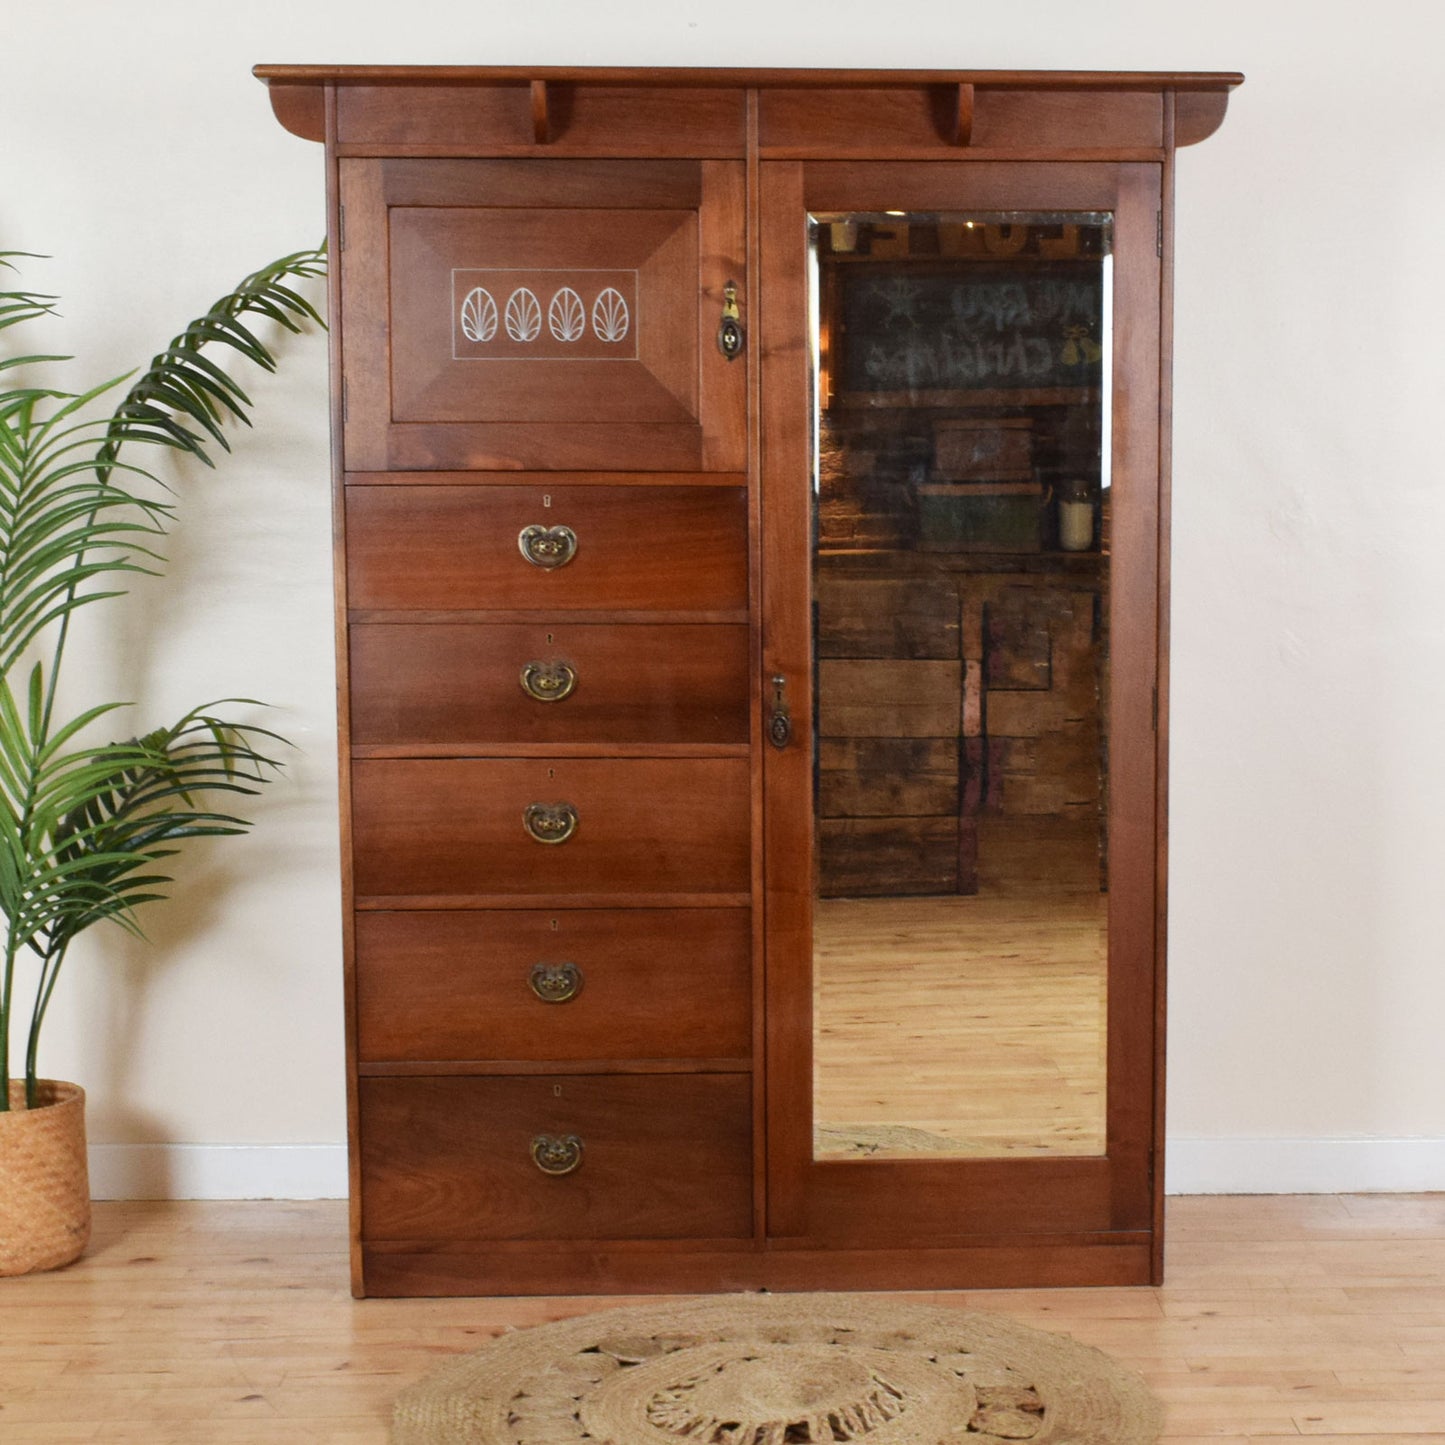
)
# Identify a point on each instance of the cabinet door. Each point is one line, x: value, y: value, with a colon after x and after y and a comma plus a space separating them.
x: 540, y: 314
x: 960, y: 603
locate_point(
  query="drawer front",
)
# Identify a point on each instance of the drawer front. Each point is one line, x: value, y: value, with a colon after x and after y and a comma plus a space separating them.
x: 461, y: 826
x: 664, y: 983
x: 459, y: 548
x: 548, y: 683
x: 658, y: 1156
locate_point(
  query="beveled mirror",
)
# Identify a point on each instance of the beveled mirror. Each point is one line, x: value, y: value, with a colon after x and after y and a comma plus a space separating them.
x: 961, y: 488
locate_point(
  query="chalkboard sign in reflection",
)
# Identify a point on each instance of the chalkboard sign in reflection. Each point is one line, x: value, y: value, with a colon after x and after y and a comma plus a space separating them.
x: 1020, y: 327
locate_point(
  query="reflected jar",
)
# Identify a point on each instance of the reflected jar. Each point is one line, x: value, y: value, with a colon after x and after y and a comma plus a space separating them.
x: 1076, y: 517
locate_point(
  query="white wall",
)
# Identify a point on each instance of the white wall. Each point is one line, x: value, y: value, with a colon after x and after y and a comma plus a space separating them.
x: 1307, y: 992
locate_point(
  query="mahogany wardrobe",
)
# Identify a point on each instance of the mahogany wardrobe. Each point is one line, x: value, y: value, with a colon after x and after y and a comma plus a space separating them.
x: 751, y: 512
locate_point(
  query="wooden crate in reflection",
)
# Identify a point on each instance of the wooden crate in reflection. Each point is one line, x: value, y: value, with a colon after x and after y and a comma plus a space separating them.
x: 947, y: 702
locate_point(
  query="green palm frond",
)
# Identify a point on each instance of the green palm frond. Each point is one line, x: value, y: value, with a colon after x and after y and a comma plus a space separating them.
x: 139, y: 797
x: 183, y: 398
x: 84, y: 830
x: 61, y: 525
x: 18, y: 306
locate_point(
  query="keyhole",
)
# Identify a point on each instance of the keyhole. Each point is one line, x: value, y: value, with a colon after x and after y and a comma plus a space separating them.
x: 551, y: 772
x: 554, y: 925
x: 549, y: 637
x: 556, y: 1091
x: 546, y: 499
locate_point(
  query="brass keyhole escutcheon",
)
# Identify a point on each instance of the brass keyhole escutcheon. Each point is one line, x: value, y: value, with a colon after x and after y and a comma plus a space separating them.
x: 549, y: 681
x: 555, y: 982
x: 780, y: 724
x: 549, y: 822
x: 557, y: 1154
x: 730, y: 335
x: 547, y: 547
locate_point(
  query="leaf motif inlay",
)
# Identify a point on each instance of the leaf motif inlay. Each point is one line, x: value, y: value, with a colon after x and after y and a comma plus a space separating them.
x: 479, y: 315
x: 524, y: 315
x: 610, y: 318
x: 566, y: 316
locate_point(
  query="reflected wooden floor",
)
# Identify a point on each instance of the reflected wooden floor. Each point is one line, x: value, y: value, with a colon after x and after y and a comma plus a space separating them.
x: 947, y: 1026
x: 230, y: 1324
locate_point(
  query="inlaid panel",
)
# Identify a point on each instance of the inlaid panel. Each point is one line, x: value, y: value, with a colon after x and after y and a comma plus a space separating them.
x: 541, y: 314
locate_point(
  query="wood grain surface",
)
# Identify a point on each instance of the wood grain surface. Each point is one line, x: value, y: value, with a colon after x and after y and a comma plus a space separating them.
x: 662, y: 1157
x: 656, y: 984
x: 684, y: 477
x: 1315, y: 1316
x: 462, y: 684
x: 645, y: 825
x: 453, y: 548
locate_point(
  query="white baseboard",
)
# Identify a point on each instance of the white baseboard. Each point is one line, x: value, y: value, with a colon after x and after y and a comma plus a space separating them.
x: 218, y: 1171
x: 1193, y: 1166
x: 1304, y: 1166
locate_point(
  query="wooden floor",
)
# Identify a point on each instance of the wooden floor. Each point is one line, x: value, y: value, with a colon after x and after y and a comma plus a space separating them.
x: 960, y: 1025
x: 213, y: 1324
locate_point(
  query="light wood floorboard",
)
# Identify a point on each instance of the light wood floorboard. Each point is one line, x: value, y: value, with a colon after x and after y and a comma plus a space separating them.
x: 228, y: 1324
x: 949, y: 1026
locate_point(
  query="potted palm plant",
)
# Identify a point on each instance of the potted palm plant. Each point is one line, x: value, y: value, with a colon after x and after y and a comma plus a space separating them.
x: 86, y: 825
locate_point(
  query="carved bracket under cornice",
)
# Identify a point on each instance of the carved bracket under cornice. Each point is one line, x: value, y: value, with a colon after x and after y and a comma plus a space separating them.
x: 963, y: 115
x: 541, y: 120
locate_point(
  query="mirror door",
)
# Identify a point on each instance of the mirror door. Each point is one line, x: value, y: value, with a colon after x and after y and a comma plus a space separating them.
x: 960, y: 492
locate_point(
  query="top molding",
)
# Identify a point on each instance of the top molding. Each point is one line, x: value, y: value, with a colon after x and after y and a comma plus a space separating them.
x: 747, y: 78
x: 565, y: 110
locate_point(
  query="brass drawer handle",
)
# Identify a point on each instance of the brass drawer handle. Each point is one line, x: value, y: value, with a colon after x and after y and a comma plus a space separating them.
x: 549, y: 681
x: 550, y: 822
x: 548, y: 547
x: 555, y: 982
x: 554, y: 1155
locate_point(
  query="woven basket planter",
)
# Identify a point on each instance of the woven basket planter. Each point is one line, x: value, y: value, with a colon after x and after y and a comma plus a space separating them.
x: 45, y: 1198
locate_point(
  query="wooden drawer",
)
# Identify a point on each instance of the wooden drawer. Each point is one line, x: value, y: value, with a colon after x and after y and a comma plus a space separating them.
x: 456, y: 548
x: 651, y: 983
x: 662, y: 1156
x: 440, y: 683
x: 644, y: 825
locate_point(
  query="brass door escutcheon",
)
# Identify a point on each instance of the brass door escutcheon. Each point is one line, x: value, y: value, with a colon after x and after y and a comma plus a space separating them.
x: 549, y: 681
x: 730, y: 335
x: 554, y: 1154
x: 780, y: 724
x: 555, y: 982
x: 549, y: 822
x: 547, y: 547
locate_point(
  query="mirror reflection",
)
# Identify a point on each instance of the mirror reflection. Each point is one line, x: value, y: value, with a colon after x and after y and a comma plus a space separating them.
x: 961, y: 373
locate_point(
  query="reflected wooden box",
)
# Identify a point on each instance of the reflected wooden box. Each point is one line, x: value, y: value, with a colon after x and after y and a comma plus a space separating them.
x: 888, y: 857
x: 982, y: 448
x: 980, y: 516
x: 889, y: 698
x: 887, y: 777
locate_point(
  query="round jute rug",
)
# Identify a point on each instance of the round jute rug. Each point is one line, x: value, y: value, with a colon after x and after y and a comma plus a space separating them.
x: 780, y: 1370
